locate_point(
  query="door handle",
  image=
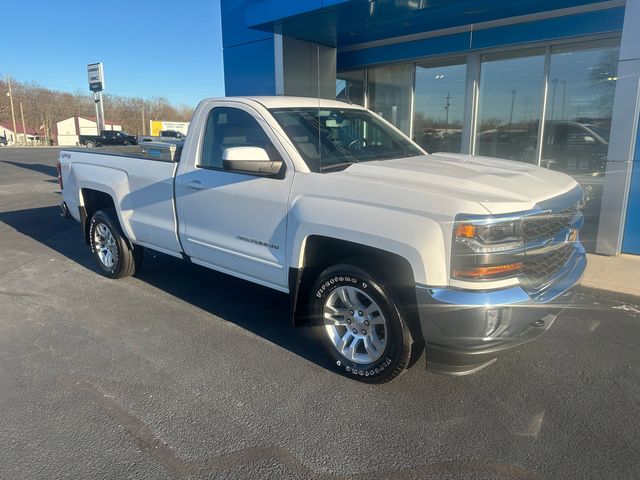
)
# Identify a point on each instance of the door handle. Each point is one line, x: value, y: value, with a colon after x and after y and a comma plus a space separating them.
x: 195, y: 185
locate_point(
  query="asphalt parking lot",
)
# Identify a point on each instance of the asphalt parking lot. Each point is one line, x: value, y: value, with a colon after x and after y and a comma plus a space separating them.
x: 185, y: 373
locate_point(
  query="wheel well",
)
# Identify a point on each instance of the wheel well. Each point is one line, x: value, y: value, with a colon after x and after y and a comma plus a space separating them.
x: 93, y: 200
x: 321, y: 252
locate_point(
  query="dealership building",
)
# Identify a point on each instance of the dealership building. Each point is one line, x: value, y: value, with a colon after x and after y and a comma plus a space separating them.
x: 554, y: 83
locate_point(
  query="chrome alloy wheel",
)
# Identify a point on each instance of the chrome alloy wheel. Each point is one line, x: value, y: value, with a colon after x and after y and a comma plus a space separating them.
x: 105, y: 245
x: 355, y: 324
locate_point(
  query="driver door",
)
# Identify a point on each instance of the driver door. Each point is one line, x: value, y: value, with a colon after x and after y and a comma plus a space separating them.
x: 231, y: 221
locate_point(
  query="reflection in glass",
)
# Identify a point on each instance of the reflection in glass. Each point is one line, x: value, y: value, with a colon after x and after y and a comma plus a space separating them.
x: 438, y: 109
x: 576, y: 134
x: 390, y: 94
x: 509, y: 107
x: 350, y: 87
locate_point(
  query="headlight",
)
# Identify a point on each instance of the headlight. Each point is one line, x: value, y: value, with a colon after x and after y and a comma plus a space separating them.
x: 486, y: 248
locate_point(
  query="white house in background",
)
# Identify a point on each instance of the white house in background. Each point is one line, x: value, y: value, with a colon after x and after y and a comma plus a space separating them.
x: 6, y: 131
x: 68, y: 130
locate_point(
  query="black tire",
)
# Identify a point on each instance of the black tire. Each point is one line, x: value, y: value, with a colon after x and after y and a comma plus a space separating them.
x: 128, y: 257
x: 90, y: 144
x: 397, y: 342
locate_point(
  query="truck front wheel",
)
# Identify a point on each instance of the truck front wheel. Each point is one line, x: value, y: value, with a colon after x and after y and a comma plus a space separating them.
x: 115, y: 256
x: 360, y: 324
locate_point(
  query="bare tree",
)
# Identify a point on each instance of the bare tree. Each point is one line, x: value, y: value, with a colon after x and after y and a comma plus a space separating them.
x: 43, y: 107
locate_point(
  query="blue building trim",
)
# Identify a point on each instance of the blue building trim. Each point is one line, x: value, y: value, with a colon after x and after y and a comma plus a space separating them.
x: 589, y: 23
x: 268, y: 11
x: 631, y: 239
x: 339, y: 23
x: 249, y: 69
x: 404, y: 51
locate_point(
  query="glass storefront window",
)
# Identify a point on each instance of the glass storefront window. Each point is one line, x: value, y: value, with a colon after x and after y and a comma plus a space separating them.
x: 510, y: 105
x: 578, y: 121
x: 350, y: 87
x: 438, y: 109
x: 390, y: 94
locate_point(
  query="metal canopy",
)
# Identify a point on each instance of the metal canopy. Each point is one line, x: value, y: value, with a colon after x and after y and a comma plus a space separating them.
x: 339, y: 23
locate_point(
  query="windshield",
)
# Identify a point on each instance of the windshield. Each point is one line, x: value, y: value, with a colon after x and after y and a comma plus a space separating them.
x: 601, y: 132
x: 331, y: 139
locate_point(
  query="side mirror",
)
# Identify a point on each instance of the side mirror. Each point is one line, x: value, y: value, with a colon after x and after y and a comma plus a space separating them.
x: 252, y: 160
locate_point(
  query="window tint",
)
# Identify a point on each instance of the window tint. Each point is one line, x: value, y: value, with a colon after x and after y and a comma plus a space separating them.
x: 390, y: 94
x: 510, y: 105
x: 439, y: 107
x: 231, y: 127
x: 350, y: 87
x: 580, y: 95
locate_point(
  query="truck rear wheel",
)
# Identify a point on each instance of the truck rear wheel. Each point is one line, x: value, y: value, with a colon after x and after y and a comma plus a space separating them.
x: 361, y: 325
x: 90, y: 144
x: 115, y: 256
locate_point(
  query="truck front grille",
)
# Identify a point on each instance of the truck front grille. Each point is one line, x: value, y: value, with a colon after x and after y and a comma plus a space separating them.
x: 538, y: 270
x: 543, y: 263
x: 547, y: 225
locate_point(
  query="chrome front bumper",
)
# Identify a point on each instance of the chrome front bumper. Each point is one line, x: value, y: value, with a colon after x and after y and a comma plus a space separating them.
x: 466, y: 330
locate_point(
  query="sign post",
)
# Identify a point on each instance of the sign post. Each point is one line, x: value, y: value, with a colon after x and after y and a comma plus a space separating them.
x: 95, y: 75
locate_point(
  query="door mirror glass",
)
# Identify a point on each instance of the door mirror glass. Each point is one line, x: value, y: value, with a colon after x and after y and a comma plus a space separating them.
x: 254, y: 160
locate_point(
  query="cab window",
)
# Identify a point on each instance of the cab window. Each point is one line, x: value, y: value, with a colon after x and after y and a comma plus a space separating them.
x: 232, y: 127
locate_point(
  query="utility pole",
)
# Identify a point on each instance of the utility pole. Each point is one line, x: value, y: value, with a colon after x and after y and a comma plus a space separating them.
x: 446, y: 107
x: 24, y: 127
x: 13, y: 113
x: 143, y: 123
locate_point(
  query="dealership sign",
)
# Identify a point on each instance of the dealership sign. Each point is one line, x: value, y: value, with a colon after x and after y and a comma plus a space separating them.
x: 96, y: 77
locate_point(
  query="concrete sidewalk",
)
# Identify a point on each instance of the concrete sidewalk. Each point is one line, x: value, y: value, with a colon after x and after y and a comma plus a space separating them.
x: 616, y: 278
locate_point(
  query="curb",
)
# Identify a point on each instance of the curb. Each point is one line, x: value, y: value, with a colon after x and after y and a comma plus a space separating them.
x: 628, y: 298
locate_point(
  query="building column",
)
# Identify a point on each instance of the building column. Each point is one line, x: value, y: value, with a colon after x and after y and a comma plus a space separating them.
x: 304, y: 69
x: 622, y: 142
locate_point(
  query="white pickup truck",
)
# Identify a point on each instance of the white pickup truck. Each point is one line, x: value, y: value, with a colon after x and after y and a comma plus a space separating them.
x: 385, y: 249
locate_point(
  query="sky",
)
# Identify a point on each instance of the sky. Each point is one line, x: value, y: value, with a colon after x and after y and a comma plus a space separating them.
x: 148, y: 48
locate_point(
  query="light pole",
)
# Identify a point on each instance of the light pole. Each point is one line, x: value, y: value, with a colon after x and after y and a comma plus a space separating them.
x: 553, y: 97
x: 513, y: 101
x: 564, y: 96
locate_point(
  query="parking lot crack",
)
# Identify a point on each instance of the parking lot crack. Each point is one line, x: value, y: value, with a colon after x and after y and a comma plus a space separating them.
x: 151, y: 443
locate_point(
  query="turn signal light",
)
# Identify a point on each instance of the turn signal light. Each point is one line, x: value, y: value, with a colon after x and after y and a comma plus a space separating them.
x: 484, y: 272
x: 465, y: 230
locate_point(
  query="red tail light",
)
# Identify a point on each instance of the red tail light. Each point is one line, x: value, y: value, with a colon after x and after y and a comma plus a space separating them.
x: 59, y: 170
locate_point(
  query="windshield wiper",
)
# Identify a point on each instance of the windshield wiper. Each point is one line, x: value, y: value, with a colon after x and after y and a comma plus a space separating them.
x: 335, y: 166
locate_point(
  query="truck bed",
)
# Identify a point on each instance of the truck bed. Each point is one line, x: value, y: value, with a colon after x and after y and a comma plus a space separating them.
x: 140, y: 180
x: 161, y: 151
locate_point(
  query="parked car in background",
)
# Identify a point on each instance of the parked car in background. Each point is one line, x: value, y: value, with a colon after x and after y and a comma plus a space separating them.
x: 574, y: 148
x: 3, y: 141
x: 386, y: 249
x: 107, y: 137
x: 165, y: 136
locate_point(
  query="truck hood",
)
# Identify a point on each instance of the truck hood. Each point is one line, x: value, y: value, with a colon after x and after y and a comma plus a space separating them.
x: 500, y: 186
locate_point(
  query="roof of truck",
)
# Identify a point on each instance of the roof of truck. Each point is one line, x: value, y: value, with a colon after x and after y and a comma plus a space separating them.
x: 285, y: 101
